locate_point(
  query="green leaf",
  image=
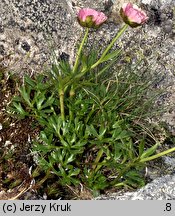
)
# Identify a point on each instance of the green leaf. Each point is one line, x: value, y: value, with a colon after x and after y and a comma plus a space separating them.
x: 84, y: 62
x: 54, y: 155
x: 118, y: 124
x: 130, y: 149
x: 111, y: 55
x: 20, y: 110
x: 80, y: 144
x: 64, y: 143
x: 44, y: 164
x: 42, y: 112
x: 102, y: 131
x: 25, y: 93
x: 141, y: 147
x: 149, y: 151
x: 134, y: 179
x: 17, y: 98
x: 119, y: 134
x: 30, y: 81
x: 42, y: 121
x: 46, y: 138
x: 91, y: 130
x: 49, y: 102
x: 117, y: 151
x: 70, y: 159
x: 39, y: 99
x: 65, y: 67
x: 75, y: 172
x: 43, y: 148
x: 55, y: 123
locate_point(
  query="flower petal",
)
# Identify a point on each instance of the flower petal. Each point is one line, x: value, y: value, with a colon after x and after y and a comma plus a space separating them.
x: 133, y: 15
x: 90, y: 18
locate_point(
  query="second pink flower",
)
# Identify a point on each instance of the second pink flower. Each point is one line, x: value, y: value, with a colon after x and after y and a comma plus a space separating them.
x: 133, y: 15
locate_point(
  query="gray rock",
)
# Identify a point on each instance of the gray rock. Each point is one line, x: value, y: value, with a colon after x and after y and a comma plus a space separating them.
x: 160, y: 189
x: 158, y: 3
x: 31, y: 30
x: 169, y: 161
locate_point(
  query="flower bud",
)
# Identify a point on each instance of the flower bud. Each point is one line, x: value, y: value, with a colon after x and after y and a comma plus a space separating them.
x: 133, y: 15
x: 91, y: 18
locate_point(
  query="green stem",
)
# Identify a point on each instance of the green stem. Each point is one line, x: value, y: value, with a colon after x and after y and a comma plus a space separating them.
x: 110, y: 45
x: 80, y: 50
x: 61, y: 94
x: 71, y: 94
x: 99, y: 155
x: 72, y: 91
x: 157, y: 155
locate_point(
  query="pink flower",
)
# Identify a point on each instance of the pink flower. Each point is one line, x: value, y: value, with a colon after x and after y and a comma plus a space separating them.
x: 91, y: 18
x: 132, y: 15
